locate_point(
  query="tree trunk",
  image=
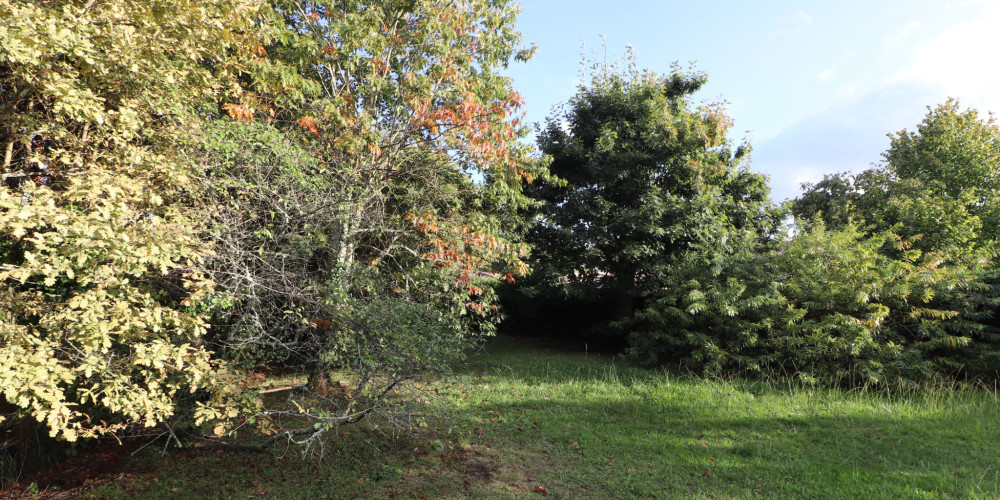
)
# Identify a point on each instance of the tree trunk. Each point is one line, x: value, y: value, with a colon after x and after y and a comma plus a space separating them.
x: 624, y: 293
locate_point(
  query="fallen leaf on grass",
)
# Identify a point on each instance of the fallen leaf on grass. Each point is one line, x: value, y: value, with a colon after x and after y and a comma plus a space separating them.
x: 539, y: 489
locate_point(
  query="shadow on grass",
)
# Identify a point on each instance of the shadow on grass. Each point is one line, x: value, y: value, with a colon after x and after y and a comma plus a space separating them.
x: 665, y: 449
x: 580, y: 419
x: 531, y: 414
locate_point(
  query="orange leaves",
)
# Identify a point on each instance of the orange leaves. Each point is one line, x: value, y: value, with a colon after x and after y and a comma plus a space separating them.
x: 238, y: 112
x: 482, y: 130
x: 322, y: 324
x: 330, y: 50
x: 309, y: 122
x: 468, y: 252
x: 425, y: 223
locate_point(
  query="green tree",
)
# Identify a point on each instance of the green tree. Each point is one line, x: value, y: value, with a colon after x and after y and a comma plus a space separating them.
x: 719, y: 306
x: 342, y: 195
x: 871, y: 306
x: 956, y: 154
x: 831, y: 199
x: 639, y: 167
x: 926, y: 211
x: 937, y: 184
x: 829, y: 305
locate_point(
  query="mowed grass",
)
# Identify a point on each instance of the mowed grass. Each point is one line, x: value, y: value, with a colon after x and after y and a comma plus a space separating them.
x: 524, y: 420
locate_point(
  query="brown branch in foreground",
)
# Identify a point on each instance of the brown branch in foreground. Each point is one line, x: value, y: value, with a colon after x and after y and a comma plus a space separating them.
x: 291, y: 434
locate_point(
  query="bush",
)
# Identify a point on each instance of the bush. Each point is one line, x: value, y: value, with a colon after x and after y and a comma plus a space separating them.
x: 716, y: 309
x: 830, y: 305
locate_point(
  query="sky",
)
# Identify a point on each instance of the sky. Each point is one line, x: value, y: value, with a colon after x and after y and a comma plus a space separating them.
x: 815, y: 86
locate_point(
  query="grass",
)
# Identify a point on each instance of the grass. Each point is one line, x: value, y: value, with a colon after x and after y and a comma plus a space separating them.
x: 523, y: 418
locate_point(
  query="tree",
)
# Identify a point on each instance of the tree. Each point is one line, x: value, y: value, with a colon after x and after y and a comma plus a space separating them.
x: 831, y: 199
x: 100, y: 323
x: 717, y: 308
x: 925, y: 212
x: 956, y: 154
x: 349, y: 233
x: 870, y: 307
x: 937, y: 184
x: 639, y: 166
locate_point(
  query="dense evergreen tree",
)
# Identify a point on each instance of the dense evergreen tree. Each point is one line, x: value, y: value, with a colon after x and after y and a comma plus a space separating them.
x: 640, y: 168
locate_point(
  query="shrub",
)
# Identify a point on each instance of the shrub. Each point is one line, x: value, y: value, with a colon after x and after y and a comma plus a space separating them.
x: 827, y: 305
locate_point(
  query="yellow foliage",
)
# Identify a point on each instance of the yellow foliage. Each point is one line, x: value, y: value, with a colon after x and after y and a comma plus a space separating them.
x: 93, y: 225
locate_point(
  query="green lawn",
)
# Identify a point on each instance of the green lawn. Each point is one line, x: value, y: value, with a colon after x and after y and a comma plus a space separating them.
x: 523, y: 417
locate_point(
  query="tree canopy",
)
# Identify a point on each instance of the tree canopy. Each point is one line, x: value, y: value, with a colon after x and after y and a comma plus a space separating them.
x: 99, y: 256
x: 640, y: 167
x: 193, y: 190
x: 187, y: 185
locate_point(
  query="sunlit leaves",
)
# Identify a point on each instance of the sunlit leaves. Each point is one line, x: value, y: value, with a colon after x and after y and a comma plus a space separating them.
x: 826, y: 304
x: 98, y: 324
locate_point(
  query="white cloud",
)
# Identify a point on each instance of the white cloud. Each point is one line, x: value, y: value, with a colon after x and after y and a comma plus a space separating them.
x: 958, y: 63
x: 791, y: 24
x: 826, y: 75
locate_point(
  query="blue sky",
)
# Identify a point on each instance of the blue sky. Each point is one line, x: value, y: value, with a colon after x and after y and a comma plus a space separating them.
x: 816, y: 86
